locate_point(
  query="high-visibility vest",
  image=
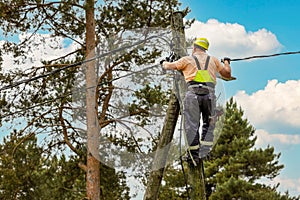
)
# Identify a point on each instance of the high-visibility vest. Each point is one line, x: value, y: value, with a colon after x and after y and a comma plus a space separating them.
x: 202, y: 75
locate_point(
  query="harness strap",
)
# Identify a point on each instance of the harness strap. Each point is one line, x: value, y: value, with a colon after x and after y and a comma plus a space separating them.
x: 206, y: 63
x: 198, y: 64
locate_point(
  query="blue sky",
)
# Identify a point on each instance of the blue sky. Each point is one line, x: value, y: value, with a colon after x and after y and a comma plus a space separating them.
x: 267, y: 89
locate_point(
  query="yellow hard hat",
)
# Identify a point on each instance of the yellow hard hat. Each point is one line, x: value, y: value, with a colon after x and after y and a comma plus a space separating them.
x: 202, y: 42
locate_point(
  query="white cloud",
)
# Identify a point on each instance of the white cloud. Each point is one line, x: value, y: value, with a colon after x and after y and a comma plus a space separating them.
x: 286, y: 184
x: 264, y: 138
x: 47, y: 49
x: 277, y: 104
x: 291, y: 185
x: 287, y: 146
x: 233, y: 40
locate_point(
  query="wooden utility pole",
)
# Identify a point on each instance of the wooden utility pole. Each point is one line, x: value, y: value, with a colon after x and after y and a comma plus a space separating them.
x: 93, y: 131
x: 196, y: 178
x: 160, y: 159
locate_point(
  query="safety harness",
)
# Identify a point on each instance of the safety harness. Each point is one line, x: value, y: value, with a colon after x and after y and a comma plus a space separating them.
x: 203, y: 83
x: 203, y: 76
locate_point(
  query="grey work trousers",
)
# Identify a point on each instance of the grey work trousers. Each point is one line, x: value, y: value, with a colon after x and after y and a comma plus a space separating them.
x: 195, y: 106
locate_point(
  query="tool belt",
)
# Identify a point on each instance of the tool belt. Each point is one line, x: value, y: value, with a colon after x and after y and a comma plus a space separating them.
x: 201, y: 88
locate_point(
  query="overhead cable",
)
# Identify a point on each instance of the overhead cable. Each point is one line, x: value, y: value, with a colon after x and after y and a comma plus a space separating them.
x: 12, y: 85
x: 265, y: 56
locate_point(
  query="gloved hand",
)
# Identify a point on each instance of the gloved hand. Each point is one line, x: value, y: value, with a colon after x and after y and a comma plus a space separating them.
x: 172, y: 57
x: 225, y: 58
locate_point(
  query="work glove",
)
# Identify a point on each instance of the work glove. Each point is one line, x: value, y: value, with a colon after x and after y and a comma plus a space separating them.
x: 171, y: 58
x: 225, y: 58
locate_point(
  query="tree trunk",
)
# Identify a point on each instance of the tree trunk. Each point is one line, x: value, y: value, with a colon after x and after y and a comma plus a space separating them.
x: 93, y: 131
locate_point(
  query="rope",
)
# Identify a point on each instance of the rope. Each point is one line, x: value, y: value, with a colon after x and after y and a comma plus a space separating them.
x: 266, y: 56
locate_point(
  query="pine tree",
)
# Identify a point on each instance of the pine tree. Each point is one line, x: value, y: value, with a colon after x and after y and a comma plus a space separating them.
x: 20, y: 162
x: 236, y: 161
x: 235, y: 165
x: 28, y: 173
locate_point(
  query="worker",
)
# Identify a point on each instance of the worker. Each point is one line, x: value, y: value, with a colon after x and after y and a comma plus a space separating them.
x: 200, y: 71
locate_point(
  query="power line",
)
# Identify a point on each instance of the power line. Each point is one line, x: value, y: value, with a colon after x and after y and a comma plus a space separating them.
x: 76, y: 92
x: 120, y: 49
x: 103, y: 55
x: 81, y: 62
x: 41, y: 76
x: 265, y: 56
x: 32, y: 107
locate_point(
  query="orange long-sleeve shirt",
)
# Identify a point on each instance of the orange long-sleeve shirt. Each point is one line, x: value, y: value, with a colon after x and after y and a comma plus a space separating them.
x: 189, y: 68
